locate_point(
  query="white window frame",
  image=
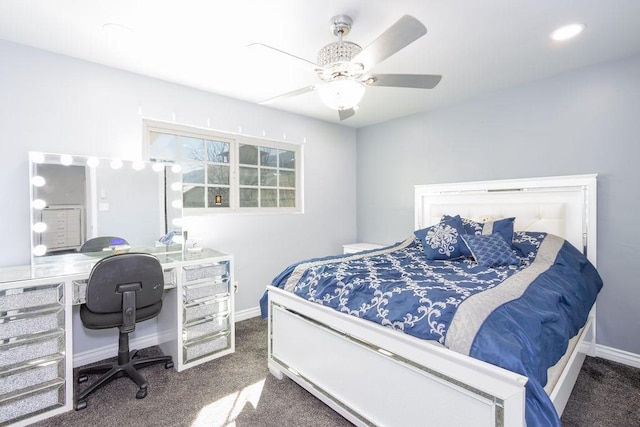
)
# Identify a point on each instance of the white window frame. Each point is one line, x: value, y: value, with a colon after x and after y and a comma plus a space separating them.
x: 235, y: 140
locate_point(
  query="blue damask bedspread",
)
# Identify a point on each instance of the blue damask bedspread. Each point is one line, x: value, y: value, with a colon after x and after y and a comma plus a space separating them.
x: 518, y: 317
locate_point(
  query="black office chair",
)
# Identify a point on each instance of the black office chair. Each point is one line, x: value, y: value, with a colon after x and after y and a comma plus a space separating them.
x: 122, y: 290
x: 97, y: 244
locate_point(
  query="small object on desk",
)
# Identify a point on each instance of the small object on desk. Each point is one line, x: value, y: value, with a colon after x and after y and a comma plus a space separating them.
x: 194, y: 249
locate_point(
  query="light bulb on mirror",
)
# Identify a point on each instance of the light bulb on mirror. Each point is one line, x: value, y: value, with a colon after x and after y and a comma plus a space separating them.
x: 177, y: 222
x: 92, y: 162
x: 37, y: 157
x: 66, y: 159
x: 39, y: 227
x: 176, y: 168
x: 158, y: 167
x: 39, y: 204
x: 40, y: 250
x: 38, y: 181
x: 176, y: 186
x: 116, y: 164
x: 138, y: 165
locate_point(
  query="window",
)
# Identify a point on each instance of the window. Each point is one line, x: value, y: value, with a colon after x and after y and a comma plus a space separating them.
x: 223, y: 171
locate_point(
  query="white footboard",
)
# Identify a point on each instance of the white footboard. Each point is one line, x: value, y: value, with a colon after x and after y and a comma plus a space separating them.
x: 373, y: 375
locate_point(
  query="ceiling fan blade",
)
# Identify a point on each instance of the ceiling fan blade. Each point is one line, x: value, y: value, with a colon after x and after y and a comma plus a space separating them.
x: 288, y: 95
x: 420, y: 81
x: 300, y: 62
x: 404, y: 32
x: 345, y: 114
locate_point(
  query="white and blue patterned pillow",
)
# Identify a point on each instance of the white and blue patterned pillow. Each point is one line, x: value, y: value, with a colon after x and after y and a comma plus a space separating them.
x: 502, y: 226
x: 490, y: 250
x: 442, y: 241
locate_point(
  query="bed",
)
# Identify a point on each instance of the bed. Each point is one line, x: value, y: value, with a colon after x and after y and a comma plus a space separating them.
x: 388, y: 374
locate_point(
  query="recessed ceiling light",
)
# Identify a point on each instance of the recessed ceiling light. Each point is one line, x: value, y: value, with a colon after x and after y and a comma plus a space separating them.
x: 567, y: 32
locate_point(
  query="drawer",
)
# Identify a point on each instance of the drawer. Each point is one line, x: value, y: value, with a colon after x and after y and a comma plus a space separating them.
x: 26, y: 298
x: 22, y: 351
x: 206, y: 308
x: 206, y: 347
x: 206, y: 327
x: 25, y: 325
x: 79, y: 291
x: 30, y: 376
x: 24, y: 405
x: 193, y: 273
x: 170, y: 278
x: 205, y: 290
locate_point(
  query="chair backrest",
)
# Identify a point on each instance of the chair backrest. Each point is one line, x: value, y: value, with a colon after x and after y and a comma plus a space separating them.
x: 97, y: 244
x: 115, y: 274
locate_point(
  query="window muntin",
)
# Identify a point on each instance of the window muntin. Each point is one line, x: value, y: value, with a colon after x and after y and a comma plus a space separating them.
x: 264, y: 176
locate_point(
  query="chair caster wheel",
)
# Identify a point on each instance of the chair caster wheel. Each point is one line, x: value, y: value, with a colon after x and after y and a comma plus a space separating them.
x: 141, y: 394
x: 80, y: 404
x: 168, y: 365
x: 83, y: 378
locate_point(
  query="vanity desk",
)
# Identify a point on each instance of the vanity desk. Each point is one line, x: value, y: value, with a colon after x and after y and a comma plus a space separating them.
x: 195, y: 325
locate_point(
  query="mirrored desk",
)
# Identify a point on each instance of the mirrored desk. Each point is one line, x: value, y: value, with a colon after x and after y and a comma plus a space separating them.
x: 195, y: 325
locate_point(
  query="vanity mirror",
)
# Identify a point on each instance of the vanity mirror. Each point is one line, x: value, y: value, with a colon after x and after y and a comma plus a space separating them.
x: 75, y: 199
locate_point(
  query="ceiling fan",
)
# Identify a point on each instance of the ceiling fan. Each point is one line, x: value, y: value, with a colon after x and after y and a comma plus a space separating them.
x: 343, y: 66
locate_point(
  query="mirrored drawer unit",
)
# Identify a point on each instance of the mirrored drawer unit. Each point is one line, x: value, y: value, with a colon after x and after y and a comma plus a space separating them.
x: 206, y: 311
x: 33, y: 369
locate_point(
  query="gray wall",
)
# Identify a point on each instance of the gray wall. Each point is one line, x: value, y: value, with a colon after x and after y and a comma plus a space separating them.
x: 587, y: 121
x: 54, y: 103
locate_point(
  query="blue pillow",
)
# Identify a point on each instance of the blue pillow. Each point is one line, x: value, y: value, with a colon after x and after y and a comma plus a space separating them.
x: 442, y: 241
x: 490, y: 250
x: 502, y: 226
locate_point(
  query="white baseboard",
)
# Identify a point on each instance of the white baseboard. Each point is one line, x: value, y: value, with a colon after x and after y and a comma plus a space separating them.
x: 111, y: 350
x: 108, y: 351
x: 620, y: 356
x: 247, y: 314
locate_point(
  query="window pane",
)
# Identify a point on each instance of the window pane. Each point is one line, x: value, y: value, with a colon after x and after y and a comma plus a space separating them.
x: 218, y: 152
x: 268, y: 198
x: 249, y: 197
x: 193, y: 173
x: 218, y: 174
x: 163, y: 146
x: 287, y: 159
x: 287, y: 179
x: 218, y: 197
x: 248, y: 154
x: 268, y: 156
x: 249, y: 176
x: 193, y: 197
x: 191, y: 148
x: 287, y: 198
x: 268, y: 177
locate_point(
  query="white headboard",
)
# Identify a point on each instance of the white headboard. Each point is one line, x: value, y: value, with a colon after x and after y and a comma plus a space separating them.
x: 561, y: 205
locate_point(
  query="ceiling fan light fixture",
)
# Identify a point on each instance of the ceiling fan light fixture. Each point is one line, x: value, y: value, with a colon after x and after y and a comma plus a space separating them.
x: 341, y: 94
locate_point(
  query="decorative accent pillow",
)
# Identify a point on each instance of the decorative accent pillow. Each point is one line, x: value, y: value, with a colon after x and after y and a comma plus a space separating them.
x: 502, y: 226
x: 442, y: 241
x: 490, y: 250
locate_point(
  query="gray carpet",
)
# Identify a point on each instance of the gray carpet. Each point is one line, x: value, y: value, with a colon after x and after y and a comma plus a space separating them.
x: 238, y: 388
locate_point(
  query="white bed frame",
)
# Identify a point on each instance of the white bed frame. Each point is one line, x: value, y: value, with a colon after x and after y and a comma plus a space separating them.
x: 373, y: 375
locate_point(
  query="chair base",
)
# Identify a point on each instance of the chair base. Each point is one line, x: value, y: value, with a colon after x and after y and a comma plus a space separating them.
x: 112, y: 371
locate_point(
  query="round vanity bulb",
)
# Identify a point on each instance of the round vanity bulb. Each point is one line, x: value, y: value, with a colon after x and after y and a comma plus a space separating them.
x: 116, y: 164
x: 92, y: 162
x: 39, y: 204
x: 38, y: 181
x: 176, y: 168
x: 177, y: 222
x: 138, y: 165
x: 66, y: 159
x: 37, y: 157
x: 158, y: 167
x: 176, y: 186
x: 177, y: 203
x: 40, y: 250
x: 39, y: 227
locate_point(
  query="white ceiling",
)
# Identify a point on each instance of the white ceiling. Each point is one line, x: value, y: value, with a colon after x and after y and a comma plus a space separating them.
x: 476, y: 45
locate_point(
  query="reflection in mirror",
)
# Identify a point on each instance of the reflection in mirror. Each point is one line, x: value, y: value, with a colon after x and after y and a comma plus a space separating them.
x: 77, y: 199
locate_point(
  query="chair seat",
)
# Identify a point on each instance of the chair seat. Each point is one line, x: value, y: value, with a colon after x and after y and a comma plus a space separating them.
x: 92, y: 320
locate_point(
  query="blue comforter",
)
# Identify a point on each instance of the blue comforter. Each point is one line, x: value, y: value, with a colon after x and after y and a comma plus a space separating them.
x: 518, y: 317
